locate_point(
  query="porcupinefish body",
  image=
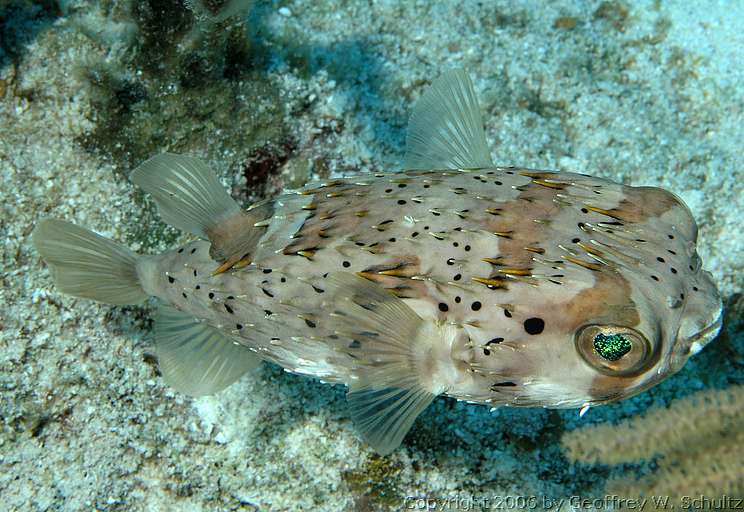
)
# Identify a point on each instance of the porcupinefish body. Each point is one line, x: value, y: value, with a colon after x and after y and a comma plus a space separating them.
x: 501, y: 286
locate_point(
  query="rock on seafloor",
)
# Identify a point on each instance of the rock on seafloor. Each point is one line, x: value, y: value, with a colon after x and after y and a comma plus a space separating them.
x: 273, y: 94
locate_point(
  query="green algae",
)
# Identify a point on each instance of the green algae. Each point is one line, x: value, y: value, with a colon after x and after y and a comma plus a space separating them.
x: 184, y: 84
x: 615, y: 13
x: 374, y: 484
x: 189, y: 82
x: 218, y: 117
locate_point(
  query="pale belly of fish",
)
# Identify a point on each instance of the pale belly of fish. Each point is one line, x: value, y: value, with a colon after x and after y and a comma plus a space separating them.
x: 501, y: 286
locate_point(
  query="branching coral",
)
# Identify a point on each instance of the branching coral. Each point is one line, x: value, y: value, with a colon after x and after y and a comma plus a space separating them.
x: 697, y: 442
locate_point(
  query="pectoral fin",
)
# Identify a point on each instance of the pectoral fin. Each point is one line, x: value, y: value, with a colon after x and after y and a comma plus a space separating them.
x: 384, y: 416
x: 390, y: 345
x: 446, y: 129
x: 195, y: 358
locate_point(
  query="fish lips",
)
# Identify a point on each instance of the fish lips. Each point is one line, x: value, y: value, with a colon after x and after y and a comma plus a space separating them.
x: 697, y: 342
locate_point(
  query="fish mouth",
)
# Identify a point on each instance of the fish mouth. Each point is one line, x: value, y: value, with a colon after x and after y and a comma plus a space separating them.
x: 705, y: 336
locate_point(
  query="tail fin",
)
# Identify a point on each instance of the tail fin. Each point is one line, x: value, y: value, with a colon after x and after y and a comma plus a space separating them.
x: 88, y: 265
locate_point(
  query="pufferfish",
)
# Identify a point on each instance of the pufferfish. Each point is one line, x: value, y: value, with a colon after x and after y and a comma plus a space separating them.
x: 492, y: 285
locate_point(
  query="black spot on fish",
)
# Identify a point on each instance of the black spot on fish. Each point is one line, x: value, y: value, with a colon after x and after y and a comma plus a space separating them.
x: 494, y: 341
x: 671, y: 252
x: 455, y: 244
x: 198, y: 287
x: 402, y: 185
x: 507, y: 383
x: 443, y: 307
x: 211, y: 295
x: 674, y: 270
x: 391, y: 240
x: 310, y: 323
x: 193, y: 250
x: 268, y: 312
x: 457, y: 277
x: 194, y: 272
x: 534, y: 325
x: 346, y: 264
x: 451, y: 261
x: 171, y: 280
x: 284, y: 279
x: 458, y: 299
x: 414, y: 234
x: 267, y: 271
x: 654, y: 278
x: 475, y: 306
x: 576, y: 240
x: 388, y: 190
x: 180, y: 250
x: 660, y: 259
x: 671, y: 237
x: 401, y: 202
x: 584, y: 210
x: 267, y: 293
x: 184, y: 295
x: 228, y: 309
x: 695, y: 288
x: 507, y: 313
x: 467, y: 247
x: 239, y: 326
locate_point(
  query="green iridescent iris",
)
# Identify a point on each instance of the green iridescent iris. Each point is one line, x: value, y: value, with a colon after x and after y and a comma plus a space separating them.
x: 612, y: 347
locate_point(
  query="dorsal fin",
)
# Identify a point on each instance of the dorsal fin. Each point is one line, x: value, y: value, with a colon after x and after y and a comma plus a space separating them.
x: 445, y: 130
x: 191, y: 198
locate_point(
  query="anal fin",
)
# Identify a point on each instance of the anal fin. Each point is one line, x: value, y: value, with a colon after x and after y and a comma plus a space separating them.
x: 398, y: 358
x: 195, y: 358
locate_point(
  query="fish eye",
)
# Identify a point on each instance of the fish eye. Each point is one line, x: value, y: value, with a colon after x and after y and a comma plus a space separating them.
x: 614, y: 350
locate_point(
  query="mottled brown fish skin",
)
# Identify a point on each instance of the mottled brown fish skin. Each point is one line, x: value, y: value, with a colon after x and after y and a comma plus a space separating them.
x: 517, y: 261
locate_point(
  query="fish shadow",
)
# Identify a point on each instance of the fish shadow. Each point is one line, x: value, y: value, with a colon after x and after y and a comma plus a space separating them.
x: 356, y: 69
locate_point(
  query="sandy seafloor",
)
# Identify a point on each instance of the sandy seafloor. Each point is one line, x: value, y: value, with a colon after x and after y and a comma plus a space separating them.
x: 646, y: 92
